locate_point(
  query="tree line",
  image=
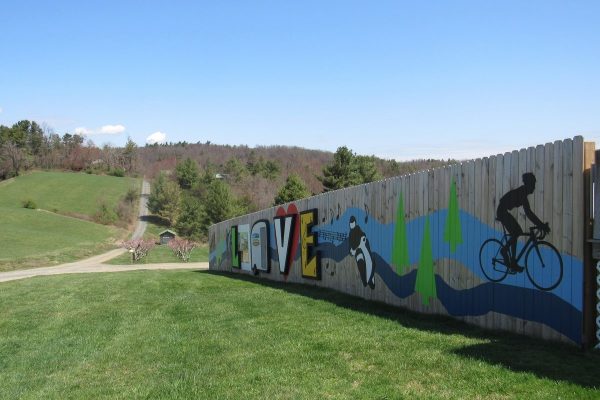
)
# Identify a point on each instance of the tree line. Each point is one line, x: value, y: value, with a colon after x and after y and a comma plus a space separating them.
x: 26, y: 145
x: 198, y: 184
x: 190, y: 200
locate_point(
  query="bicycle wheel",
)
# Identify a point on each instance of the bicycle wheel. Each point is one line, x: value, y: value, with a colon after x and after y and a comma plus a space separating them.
x: 544, y: 266
x: 491, y: 260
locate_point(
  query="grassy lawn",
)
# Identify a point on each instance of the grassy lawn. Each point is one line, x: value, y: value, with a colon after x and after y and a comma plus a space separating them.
x: 65, y: 192
x: 188, y: 334
x: 162, y: 254
x: 38, y: 238
x: 35, y: 238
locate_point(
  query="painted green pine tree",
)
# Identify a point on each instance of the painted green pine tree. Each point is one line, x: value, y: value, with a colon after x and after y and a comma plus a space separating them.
x: 400, y: 244
x: 452, y: 230
x: 425, y: 282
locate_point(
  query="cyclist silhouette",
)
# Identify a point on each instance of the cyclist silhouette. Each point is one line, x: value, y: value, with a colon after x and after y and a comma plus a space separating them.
x: 513, y: 199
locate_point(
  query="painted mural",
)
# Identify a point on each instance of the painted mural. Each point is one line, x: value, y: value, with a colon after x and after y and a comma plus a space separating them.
x: 361, y: 251
x: 260, y: 251
x: 447, y: 260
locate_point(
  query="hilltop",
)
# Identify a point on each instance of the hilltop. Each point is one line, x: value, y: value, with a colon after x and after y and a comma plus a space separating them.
x: 274, y: 165
x: 251, y: 177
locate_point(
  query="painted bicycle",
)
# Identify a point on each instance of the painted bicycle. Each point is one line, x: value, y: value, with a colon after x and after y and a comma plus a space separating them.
x: 542, y: 262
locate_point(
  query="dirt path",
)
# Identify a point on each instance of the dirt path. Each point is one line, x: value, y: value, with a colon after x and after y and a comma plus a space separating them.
x: 93, y: 265
x: 96, y: 263
x: 143, y: 212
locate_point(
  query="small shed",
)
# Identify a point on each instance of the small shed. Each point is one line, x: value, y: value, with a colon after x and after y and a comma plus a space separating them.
x: 166, y: 236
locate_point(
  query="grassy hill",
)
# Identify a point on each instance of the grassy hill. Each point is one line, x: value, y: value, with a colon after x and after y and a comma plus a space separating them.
x: 64, y: 193
x: 51, y: 234
x: 200, y: 335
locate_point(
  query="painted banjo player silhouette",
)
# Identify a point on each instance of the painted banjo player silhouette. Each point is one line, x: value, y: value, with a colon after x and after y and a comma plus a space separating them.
x: 513, y: 199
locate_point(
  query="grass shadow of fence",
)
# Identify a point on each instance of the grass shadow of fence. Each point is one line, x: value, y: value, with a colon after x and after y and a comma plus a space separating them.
x: 545, y: 359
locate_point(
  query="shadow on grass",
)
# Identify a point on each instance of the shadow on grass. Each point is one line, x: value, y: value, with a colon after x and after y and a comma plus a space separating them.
x: 545, y: 359
x: 156, y: 220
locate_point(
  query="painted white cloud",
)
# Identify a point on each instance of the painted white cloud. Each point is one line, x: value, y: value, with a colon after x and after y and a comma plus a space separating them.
x: 111, y: 129
x: 156, y: 137
x: 83, y: 131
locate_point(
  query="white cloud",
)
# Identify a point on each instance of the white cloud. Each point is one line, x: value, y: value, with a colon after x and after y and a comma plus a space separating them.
x: 83, y: 131
x: 1, y: 110
x: 156, y: 137
x: 111, y: 129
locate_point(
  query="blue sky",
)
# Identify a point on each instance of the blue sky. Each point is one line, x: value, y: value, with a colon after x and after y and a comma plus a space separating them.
x: 396, y: 79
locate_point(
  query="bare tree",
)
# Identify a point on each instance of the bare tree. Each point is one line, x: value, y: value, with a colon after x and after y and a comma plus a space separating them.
x: 138, y: 248
x: 182, y: 248
x: 15, y: 157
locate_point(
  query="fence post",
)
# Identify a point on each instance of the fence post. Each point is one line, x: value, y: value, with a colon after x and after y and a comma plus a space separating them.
x: 590, y: 287
x: 598, y: 306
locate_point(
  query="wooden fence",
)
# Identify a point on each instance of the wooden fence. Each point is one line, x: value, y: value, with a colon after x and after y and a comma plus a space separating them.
x: 421, y: 241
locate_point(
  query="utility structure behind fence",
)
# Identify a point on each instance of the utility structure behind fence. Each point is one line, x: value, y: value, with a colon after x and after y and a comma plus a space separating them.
x: 595, y: 201
x: 441, y: 242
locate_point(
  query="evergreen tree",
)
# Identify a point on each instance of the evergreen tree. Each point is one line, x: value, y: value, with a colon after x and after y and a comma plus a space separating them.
x: 192, y: 221
x: 342, y: 172
x: 235, y: 169
x: 348, y: 169
x: 270, y: 170
x: 209, y: 175
x: 253, y: 165
x: 452, y: 229
x: 293, y: 189
x: 130, y: 155
x: 219, y: 204
x: 400, y: 257
x: 425, y: 282
x: 187, y: 173
x: 243, y: 205
x: 367, y: 169
x: 164, y: 199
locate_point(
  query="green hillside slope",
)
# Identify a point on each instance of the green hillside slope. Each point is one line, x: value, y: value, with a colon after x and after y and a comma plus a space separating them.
x: 50, y: 235
x: 64, y: 192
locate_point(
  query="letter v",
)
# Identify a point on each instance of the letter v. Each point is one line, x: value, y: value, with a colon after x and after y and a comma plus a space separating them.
x: 284, y: 226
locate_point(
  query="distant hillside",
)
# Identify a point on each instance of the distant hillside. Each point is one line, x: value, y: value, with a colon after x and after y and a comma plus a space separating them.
x: 254, y: 174
x: 259, y: 189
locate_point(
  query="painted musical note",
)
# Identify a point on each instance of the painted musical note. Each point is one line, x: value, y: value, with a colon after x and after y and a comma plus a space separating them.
x: 332, y: 236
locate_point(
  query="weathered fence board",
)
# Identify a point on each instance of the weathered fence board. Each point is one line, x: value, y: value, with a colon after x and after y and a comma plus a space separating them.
x: 417, y: 241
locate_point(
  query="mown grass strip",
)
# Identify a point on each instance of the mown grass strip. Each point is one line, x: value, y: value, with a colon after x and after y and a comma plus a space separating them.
x: 187, y: 334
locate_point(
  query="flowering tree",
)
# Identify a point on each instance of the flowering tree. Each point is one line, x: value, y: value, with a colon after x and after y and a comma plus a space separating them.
x: 182, y: 248
x: 138, y: 248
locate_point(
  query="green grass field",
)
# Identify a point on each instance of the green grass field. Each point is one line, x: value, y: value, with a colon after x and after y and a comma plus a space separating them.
x: 65, y: 192
x: 188, y: 334
x: 35, y: 238
x: 162, y: 254
x: 39, y: 238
